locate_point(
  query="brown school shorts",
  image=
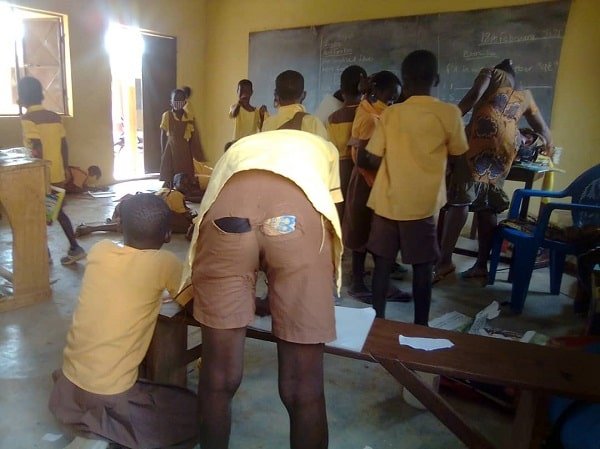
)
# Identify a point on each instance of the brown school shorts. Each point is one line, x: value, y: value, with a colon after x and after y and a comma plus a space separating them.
x: 240, y: 235
x: 148, y: 415
x: 415, y: 239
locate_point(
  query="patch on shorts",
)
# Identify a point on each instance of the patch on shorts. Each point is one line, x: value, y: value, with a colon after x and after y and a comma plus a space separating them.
x: 285, y: 224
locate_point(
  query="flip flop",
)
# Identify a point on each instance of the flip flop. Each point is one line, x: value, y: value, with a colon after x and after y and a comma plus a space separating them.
x: 441, y: 274
x: 396, y: 295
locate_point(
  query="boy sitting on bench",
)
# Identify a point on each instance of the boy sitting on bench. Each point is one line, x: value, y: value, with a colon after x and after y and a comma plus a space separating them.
x: 97, y: 393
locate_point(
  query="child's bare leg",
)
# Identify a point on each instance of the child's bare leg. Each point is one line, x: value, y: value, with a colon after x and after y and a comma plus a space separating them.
x: 302, y: 392
x: 454, y: 221
x: 422, y: 281
x: 381, y: 281
x: 88, y: 228
x: 487, y: 221
x: 220, y: 376
x: 67, y: 227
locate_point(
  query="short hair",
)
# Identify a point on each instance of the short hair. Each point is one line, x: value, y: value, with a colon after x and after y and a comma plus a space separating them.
x: 289, y: 85
x: 384, y: 80
x: 245, y: 82
x: 420, y: 67
x: 145, y: 217
x: 506, y: 66
x: 187, y: 90
x: 350, y: 79
x: 30, y: 91
x: 94, y: 170
x: 177, y: 91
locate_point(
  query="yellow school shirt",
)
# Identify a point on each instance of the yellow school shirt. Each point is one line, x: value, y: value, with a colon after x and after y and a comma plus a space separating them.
x: 174, y: 199
x: 310, y: 123
x: 46, y: 126
x: 189, y: 129
x: 365, y: 119
x: 339, y: 135
x: 113, y: 323
x: 246, y: 123
x: 309, y: 161
x: 414, y: 140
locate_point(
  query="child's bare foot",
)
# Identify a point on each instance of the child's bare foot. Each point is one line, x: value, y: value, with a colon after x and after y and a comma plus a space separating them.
x: 441, y: 272
x: 475, y: 272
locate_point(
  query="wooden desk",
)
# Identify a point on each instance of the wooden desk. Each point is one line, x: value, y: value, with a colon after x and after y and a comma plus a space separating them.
x: 22, y: 193
x: 536, y: 370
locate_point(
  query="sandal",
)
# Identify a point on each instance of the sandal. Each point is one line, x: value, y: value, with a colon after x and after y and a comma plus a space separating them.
x: 440, y: 274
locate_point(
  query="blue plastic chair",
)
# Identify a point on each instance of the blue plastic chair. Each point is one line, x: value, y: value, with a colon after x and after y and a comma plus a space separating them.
x: 585, y: 210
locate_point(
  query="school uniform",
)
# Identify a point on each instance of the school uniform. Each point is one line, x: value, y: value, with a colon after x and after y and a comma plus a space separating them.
x: 183, y: 144
x: 246, y: 123
x: 179, y: 219
x: 414, y: 140
x: 46, y: 126
x: 270, y: 206
x: 285, y: 114
x: 97, y: 392
x: 357, y: 216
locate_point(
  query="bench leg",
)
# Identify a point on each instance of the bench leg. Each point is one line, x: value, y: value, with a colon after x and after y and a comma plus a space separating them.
x: 437, y: 405
x: 166, y: 357
x: 527, y: 418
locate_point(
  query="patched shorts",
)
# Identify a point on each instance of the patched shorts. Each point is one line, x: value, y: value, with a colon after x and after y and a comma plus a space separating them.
x: 263, y: 221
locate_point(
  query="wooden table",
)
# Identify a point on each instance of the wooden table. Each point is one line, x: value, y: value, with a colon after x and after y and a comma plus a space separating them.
x: 22, y: 193
x: 536, y: 370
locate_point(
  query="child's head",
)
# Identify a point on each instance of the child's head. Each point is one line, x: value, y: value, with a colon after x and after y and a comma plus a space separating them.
x: 183, y: 182
x: 420, y: 72
x: 350, y: 79
x: 289, y: 88
x: 94, y: 171
x: 177, y: 99
x: 30, y: 91
x: 187, y: 91
x: 244, y: 89
x: 145, y: 221
x: 385, y: 86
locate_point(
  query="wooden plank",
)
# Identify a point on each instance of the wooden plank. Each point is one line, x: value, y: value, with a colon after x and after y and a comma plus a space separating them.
x: 437, y: 405
x: 524, y: 424
x: 530, y: 367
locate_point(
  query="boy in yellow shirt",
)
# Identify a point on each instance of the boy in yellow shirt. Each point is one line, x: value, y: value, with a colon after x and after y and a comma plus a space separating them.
x: 44, y: 134
x: 289, y: 95
x: 97, y: 393
x: 410, y: 146
x: 248, y: 119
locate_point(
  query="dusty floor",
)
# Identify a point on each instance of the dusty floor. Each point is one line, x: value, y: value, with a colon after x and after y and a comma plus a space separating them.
x: 365, y: 407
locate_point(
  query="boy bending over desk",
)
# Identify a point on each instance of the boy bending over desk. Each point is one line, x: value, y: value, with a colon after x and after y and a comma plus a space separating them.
x: 269, y: 206
x: 97, y: 393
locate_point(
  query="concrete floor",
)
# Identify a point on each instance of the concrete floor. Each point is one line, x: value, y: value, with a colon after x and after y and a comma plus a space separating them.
x: 365, y: 407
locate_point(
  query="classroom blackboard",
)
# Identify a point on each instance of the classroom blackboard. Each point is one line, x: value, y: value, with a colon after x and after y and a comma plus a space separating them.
x: 531, y: 35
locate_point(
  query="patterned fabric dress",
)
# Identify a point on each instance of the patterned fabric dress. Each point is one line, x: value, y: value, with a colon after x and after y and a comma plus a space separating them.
x: 493, y: 131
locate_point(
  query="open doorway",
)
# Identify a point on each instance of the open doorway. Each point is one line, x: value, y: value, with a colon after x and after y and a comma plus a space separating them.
x: 125, y: 47
x: 143, y: 68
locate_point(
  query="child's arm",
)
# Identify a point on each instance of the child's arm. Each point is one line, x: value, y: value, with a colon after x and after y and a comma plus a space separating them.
x: 479, y: 87
x: 163, y: 141
x: 234, y: 110
x: 262, y: 113
x: 36, y: 148
x: 64, y: 151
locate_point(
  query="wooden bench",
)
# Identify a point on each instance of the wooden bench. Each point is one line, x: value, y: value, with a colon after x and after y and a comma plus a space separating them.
x: 537, y: 371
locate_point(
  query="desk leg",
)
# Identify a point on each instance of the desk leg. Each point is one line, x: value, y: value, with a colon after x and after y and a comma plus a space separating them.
x: 436, y: 405
x: 526, y: 420
x: 166, y: 357
x: 525, y: 202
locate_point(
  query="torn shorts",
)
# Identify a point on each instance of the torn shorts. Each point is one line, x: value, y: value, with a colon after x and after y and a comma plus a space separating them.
x: 263, y: 221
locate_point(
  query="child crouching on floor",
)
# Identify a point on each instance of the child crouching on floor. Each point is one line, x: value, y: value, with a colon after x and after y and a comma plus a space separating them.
x: 98, y: 393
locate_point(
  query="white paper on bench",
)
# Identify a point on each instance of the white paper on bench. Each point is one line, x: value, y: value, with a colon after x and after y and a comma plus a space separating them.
x: 351, y: 325
x: 425, y: 343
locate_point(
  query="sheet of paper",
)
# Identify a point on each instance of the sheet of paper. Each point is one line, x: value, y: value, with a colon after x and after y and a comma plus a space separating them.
x: 426, y: 344
x: 489, y: 313
x: 351, y: 325
x: 169, y: 309
x: 52, y: 437
x: 451, y: 321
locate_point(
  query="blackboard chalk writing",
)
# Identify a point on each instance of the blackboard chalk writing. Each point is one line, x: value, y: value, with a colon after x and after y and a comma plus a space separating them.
x: 522, y: 68
x: 335, y: 51
x: 479, y: 54
x: 488, y: 38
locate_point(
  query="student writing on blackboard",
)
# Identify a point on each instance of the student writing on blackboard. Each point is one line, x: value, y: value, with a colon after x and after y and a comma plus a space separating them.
x: 476, y: 180
x: 383, y: 89
x: 248, y: 119
x: 409, y: 147
x: 289, y: 95
x: 339, y: 125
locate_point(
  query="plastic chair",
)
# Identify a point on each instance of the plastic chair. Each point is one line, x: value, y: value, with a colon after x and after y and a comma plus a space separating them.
x: 585, y: 210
